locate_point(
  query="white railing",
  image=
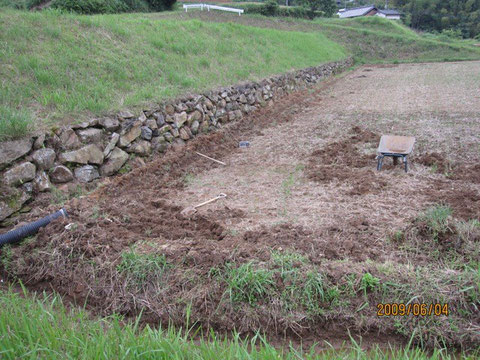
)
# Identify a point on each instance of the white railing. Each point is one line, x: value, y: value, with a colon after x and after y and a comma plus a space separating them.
x: 213, y: 7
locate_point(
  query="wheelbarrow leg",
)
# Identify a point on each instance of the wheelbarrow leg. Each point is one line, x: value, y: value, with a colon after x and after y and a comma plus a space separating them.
x: 405, y: 160
x: 379, y: 163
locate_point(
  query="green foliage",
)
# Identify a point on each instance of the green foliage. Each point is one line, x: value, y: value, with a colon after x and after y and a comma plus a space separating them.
x: 272, y: 9
x: 90, y: 6
x: 15, y: 4
x: 436, y: 220
x: 161, y: 5
x: 112, y: 6
x: 269, y: 8
x: 328, y: 7
x: 6, y: 257
x: 247, y: 283
x: 313, y: 292
x: 460, y: 17
x: 287, y: 260
x: 142, y: 267
x: 368, y: 283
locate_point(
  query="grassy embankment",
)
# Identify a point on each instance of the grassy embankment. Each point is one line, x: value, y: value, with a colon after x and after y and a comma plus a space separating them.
x: 60, y: 66
x: 41, y: 327
x: 368, y: 39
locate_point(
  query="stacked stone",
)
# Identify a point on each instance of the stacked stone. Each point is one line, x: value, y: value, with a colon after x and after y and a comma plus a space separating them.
x: 101, y: 147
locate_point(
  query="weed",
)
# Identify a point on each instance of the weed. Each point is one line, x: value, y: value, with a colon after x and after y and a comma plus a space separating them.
x: 125, y: 169
x: 368, y: 283
x: 95, y: 213
x: 436, y: 220
x: 6, y: 255
x: 397, y: 236
x: 188, y: 179
x: 314, y: 293
x: 287, y: 184
x: 141, y: 268
x: 14, y: 123
x: 287, y: 261
x: 248, y: 282
x: 58, y: 196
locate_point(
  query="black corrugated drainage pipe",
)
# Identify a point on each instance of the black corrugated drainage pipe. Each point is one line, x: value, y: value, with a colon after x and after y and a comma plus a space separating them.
x: 22, y: 232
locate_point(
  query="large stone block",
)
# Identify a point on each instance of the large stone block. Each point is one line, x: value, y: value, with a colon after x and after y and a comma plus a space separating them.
x: 140, y: 147
x: 116, y: 160
x: 13, y: 150
x: 41, y: 183
x: 60, y: 174
x: 69, y: 140
x: 180, y: 119
x: 11, y: 201
x: 44, y: 158
x: 86, y: 173
x: 109, y: 124
x: 111, y: 144
x: 90, y: 135
x: 20, y: 174
x: 130, y: 134
x: 90, y: 154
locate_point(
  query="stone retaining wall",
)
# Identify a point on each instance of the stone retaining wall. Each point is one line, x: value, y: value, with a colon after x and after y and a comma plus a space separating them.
x: 101, y: 147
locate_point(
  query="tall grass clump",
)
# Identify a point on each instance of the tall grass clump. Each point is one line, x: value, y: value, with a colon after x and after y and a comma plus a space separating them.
x: 14, y: 123
x: 248, y: 282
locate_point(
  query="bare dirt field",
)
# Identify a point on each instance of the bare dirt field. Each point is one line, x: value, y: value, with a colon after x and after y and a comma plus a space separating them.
x: 310, y: 237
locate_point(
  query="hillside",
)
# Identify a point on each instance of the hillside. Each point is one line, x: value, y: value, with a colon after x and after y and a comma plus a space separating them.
x: 69, y: 67
x: 368, y: 39
x: 61, y: 66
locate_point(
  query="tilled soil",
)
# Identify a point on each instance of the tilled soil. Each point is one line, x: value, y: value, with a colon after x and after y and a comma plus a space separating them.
x: 307, y: 185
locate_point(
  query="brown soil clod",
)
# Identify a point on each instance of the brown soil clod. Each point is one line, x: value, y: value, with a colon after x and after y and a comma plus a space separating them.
x: 343, y: 161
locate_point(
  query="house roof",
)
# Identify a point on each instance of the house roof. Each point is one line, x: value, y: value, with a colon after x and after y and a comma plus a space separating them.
x: 358, y: 11
x: 390, y: 12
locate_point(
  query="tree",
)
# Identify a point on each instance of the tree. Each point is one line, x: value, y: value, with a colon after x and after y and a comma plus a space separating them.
x: 328, y: 7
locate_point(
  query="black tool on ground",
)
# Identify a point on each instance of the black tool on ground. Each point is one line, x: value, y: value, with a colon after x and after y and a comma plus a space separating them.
x: 24, y: 231
x: 395, y: 147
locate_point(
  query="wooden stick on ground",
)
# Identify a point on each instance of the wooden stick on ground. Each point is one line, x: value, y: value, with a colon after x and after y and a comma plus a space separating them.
x: 209, y: 158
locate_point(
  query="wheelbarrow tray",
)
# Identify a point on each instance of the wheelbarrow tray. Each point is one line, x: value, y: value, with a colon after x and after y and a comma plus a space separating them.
x: 396, y: 147
x: 392, y: 144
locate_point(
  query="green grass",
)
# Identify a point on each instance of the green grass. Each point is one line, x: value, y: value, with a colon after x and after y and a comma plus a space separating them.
x: 64, y: 66
x: 141, y: 268
x: 368, y: 39
x: 14, y: 123
x: 436, y: 219
x: 59, y: 333
x: 247, y: 283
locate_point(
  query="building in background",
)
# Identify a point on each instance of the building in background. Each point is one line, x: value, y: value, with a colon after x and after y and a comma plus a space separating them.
x: 369, y: 10
x: 389, y: 14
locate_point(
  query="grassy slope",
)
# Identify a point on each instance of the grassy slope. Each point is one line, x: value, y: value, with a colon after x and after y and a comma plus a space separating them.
x: 369, y: 39
x: 67, y: 67
x: 58, y: 333
x: 63, y: 66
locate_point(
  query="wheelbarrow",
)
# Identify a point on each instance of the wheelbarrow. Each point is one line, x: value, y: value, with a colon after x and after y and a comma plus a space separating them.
x: 395, y: 147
